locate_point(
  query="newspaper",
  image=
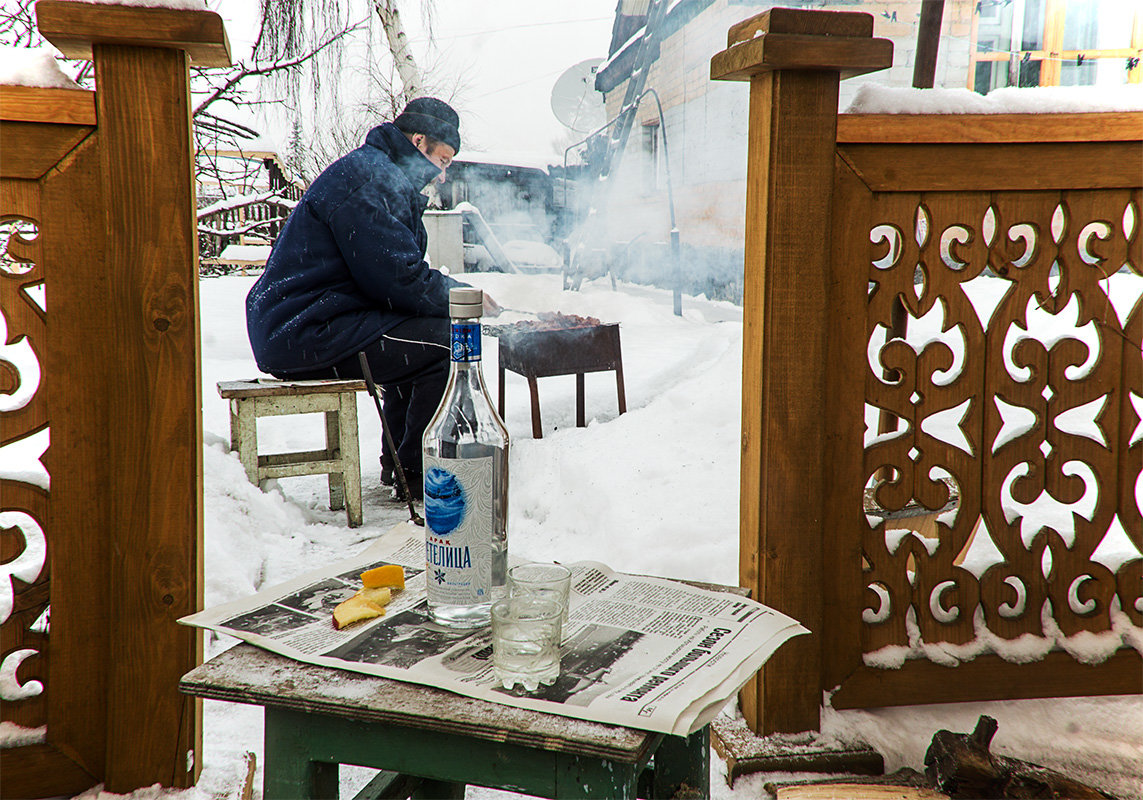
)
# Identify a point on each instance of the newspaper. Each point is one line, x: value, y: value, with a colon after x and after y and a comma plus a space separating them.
x: 637, y: 651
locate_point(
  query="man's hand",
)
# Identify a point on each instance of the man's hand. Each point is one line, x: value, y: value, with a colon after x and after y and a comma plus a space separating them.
x: 491, y: 307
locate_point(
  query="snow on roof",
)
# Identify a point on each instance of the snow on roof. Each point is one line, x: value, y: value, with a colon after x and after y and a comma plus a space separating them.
x: 33, y: 66
x: 263, y: 142
x: 249, y: 253
x: 184, y: 5
x: 634, y: 37
x: 875, y: 98
x: 512, y: 159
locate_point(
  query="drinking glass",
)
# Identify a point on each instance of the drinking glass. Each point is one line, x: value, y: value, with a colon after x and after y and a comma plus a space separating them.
x: 525, y: 641
x: 549, y: 581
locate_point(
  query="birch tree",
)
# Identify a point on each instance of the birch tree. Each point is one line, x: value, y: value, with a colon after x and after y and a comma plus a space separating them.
x: 403, y: 60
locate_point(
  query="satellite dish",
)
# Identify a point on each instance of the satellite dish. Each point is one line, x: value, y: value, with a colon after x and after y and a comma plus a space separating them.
x: 575, y: 100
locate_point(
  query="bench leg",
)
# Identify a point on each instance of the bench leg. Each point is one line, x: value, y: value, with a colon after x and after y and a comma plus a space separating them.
x: 289, y: 772
x: 244, y: 436
x: 350, y: 458
x: 682, y: 766
x: 587, y: 778
x: 438, y: 790
x: 332, y: 452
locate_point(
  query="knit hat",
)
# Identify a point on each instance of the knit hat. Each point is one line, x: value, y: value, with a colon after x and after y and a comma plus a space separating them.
x: 432, y: 117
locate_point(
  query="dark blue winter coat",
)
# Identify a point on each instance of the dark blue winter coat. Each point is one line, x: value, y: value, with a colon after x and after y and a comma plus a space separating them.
x: 349, y: 263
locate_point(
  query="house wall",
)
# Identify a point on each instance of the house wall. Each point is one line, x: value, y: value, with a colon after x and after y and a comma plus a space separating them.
x: 706, y: 123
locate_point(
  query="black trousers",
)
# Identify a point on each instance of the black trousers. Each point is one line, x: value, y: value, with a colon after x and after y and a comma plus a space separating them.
x: 410, y: 363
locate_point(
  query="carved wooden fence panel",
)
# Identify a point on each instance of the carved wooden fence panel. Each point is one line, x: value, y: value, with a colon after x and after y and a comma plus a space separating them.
x: 1012, y: 415
x: 100, y: 399
x: 861, y: 231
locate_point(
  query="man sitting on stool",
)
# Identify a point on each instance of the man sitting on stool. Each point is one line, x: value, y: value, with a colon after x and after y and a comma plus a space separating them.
x: 347, y: 274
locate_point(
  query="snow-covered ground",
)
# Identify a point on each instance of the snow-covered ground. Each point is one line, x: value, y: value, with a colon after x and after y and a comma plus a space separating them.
x: 654, y: 490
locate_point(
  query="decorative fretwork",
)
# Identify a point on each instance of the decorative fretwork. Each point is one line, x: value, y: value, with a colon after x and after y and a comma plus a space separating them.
x: 23, y: 479
x: 1021, y: 381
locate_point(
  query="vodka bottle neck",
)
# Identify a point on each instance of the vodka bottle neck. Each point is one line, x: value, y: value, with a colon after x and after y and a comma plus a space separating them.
x: 466, y: 343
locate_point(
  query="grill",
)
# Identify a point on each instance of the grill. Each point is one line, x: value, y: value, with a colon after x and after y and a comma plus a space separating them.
x: 558, y: 344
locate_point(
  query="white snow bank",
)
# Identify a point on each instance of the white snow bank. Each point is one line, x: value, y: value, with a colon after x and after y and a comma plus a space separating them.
x: 538, y: 254
x: 33, y: 66
x: 873, y: 98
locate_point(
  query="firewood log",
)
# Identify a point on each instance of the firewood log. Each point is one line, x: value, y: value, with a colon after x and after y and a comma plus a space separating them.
x: 961, y: 766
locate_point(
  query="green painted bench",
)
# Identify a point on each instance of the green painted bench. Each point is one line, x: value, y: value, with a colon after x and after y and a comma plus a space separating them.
x: 431, y: 743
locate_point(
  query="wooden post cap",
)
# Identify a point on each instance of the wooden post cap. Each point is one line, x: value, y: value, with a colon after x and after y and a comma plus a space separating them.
x: 790, y: 38
x: 74, y: 27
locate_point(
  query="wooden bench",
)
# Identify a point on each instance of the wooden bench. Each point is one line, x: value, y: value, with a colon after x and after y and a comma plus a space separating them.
x: 341, y: 457
x: 434, y: 741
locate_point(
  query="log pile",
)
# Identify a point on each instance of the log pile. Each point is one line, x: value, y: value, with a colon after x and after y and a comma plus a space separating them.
x: 961, y: 766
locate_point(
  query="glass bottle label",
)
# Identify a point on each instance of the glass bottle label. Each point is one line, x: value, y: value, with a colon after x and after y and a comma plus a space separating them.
x: 466, y: 341
x: 458, y: 530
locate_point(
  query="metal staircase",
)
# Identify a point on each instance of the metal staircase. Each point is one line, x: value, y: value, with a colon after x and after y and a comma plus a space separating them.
x: 591, y: 229
x: 648, y: 51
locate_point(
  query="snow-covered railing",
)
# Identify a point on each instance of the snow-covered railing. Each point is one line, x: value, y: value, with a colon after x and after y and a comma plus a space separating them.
x: 932, y: 297
x: 100, y: 430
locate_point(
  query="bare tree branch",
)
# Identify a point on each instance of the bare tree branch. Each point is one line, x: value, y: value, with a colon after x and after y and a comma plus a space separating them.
x: 241, y: 72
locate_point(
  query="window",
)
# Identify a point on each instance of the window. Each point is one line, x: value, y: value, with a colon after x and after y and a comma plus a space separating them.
x: 651, y: 156
x: 1055, y: 43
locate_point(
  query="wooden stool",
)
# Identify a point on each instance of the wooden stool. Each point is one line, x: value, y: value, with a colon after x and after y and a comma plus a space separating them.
x: 318, y: 717
x: 341, y: 458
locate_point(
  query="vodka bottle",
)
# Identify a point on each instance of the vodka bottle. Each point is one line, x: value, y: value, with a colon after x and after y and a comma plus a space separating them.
x: 466, y: 483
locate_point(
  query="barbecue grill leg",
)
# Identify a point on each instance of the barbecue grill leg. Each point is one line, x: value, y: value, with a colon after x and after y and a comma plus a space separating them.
x: 500, y: 393
x: 580, y: 418
x: 619, y: 386
x: 534, y: 391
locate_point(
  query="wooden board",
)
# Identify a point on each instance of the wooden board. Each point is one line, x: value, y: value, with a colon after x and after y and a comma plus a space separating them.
x: 247, y: 674
x: 80, y: 496
x: 856, y: 791
x: 745, y: 752
x: 988, y: 677
x: 783, y: 391
x: 30, y: 149
x: 71, y: 663
x: 37, y: 104
x: 31, y: 770
x: 1011, y: 167
x: 989, y: 128
x: 845, y: 367
x: 75, y: 27
x: 800, y: 21
x: 155, y: 387
x: 271, y: 388
x: 847, y: 56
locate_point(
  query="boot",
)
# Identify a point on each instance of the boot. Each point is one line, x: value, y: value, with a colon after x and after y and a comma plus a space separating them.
x: 416, y: 484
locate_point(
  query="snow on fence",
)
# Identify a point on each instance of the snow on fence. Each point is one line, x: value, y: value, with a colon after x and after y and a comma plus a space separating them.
x: 99, y: 350
x: 861, y: 231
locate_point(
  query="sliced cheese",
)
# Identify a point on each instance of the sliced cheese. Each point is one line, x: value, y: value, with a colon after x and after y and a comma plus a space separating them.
x: 381, y: 595
x: 355, y: 609
x: 392, y: 575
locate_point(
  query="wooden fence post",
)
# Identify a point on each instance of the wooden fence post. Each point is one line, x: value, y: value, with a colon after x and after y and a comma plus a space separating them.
x: 147, y: 361
x: 794, y: 61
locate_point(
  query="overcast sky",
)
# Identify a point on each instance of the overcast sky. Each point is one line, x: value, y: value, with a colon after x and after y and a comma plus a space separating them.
x: 507, y: 54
